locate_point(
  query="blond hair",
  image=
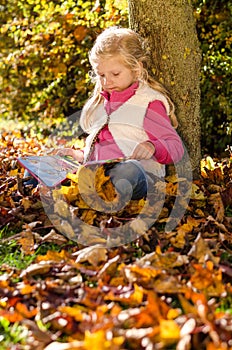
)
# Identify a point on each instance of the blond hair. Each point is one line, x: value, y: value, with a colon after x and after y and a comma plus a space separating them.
x: 130, y: 47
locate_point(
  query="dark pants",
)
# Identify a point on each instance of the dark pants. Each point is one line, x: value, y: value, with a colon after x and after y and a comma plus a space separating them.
x: 31, y: 180
x: 129, y: 179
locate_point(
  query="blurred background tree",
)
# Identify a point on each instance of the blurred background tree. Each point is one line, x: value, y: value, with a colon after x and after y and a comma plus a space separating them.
x: 214, y: 22
x: 44, y: 61
x: 44, y: 55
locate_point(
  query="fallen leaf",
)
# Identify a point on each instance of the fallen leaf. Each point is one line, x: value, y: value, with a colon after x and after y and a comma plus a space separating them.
x: 201, y: 251
x: 36, y: 269
x: 94, y: 255
x: 169, y: 330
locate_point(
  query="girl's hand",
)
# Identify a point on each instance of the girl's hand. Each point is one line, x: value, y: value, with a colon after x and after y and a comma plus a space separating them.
x: 144, y: 150
x: 76, y: 154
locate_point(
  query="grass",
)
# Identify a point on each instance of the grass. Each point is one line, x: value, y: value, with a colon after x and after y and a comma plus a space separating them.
x: 11, y: 335
x: 12, y: 255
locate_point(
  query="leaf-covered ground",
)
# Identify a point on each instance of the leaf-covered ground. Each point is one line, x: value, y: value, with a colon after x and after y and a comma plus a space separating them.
x: 164, y: 290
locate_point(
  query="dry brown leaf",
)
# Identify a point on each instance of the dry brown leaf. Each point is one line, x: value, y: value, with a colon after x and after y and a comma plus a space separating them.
x: 208, y: 279
x: 200, y: 251
x: 216, y: 200
x: 27, y: 242
x: 54, y: 237
x: 61, y: 208
x: 88, y: 216
x: 94, y: 255
x: 139, y: 226
x: 37, y: 269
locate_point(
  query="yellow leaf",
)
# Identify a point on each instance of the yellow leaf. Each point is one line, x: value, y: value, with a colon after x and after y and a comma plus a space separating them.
x: 174, y: 178
x: 171, y: 189
x: 57, y: 194
x: 197, y: 193
x: 187, y: 306
x: 96, y: 189
x: 96, y: 340
x: 104, y: 186
x: 52, y: 256
x: 208, y: 163
x: 72, y: 177
x: 81, y: 204
x: 88, y: 216
x: 70, y: 192
x: 135, y: 206
x: 27, y: 289
x: 136, y: 273
x: 74, y: 312
x: 179, y: 240
x: 208, y: 279
x: 86, y: 181
x: 173, y: 313
x: 165, y: 260
x: 13, y: 172
x: 26, y: 203
x: 137, y: 296
x: 169, y: 330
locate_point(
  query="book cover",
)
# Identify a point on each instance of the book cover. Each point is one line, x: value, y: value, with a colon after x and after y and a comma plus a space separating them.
x: 49, y: 170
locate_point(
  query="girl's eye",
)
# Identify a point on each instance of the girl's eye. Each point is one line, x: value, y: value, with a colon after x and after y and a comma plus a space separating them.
x: 115, y: 74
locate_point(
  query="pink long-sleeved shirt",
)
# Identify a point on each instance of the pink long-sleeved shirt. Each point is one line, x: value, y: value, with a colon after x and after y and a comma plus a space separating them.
x: 168, y: 145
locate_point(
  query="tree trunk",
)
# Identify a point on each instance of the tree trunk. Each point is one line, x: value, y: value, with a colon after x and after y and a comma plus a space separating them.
x: 170, y: 29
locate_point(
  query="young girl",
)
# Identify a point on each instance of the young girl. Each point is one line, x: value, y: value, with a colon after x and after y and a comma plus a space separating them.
x: 129, y: 115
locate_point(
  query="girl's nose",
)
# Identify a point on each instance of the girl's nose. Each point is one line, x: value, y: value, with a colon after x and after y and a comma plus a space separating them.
x: 107, y: 80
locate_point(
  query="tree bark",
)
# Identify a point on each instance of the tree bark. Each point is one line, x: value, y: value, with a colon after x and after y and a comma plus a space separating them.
x: 170, y: 29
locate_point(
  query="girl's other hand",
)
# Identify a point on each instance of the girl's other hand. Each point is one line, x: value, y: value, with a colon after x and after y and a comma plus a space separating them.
x: 76, y: 154
x: 144, y: 150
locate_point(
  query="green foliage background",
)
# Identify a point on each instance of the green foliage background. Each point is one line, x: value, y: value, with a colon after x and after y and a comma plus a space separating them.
x: 44, y: 60
x: 214, y: 23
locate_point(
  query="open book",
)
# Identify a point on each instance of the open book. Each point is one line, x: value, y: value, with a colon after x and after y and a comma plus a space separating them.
x: 52, y: 170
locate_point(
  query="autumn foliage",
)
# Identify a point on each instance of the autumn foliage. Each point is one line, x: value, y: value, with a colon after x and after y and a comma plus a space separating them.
x: 44, y: 64
x: 164, y: 290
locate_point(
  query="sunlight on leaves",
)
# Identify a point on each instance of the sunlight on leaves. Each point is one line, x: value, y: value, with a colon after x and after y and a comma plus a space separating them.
x: 169, y: 330
x: 94, y: 255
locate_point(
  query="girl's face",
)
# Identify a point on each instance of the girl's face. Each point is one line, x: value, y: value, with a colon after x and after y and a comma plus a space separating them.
x: 114, y: 75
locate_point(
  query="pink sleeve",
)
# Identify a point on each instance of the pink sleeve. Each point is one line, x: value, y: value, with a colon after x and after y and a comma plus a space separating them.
x: 168, y: 145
